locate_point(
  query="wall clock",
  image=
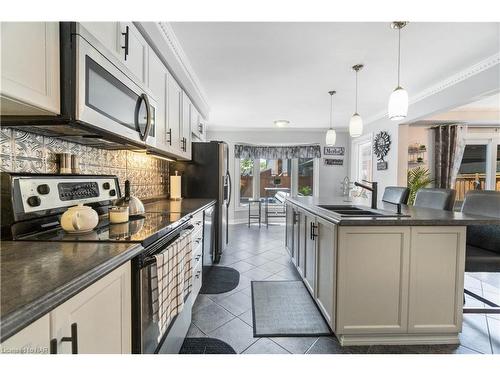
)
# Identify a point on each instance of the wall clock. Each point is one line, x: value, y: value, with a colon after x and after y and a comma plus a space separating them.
x: 382, y: 145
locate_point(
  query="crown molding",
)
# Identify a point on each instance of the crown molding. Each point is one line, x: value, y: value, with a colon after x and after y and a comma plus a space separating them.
x: 165, y: 43
x: 452, y: 80
x: 215, y: 128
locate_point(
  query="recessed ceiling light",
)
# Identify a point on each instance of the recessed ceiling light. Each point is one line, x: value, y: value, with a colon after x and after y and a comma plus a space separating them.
x: 281, y: 123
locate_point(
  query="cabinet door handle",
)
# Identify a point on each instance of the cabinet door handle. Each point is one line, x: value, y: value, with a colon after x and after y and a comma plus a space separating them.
x: 169, y: 133
x: 125, y: 47
x: 73, y: 339
x: 200, y: 128
x: 198, y: 274
x: 313, y: 233
x: 198, y: 258
x: 53, y: 346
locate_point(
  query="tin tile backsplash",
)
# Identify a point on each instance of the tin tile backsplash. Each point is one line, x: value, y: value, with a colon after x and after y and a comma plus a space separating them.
x: 22, y: 151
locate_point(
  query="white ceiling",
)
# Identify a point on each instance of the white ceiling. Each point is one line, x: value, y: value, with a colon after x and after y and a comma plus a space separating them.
x: 255, y: 73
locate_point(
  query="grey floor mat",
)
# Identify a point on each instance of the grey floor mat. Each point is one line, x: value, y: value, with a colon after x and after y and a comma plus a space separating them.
x: 285, y: 308
x: 218, y: 279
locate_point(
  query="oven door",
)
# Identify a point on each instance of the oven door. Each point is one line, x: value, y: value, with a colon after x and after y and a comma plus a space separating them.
x: 108, y: 99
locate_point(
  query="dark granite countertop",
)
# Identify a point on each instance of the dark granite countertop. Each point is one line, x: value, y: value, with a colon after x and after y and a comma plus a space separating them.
x: 411, y: 215
x: 36, y: 277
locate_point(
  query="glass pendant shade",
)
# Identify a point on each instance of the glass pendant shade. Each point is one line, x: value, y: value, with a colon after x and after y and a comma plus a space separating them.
x: 331, y: 137
x: 398, y: 104
x: 355, y: 126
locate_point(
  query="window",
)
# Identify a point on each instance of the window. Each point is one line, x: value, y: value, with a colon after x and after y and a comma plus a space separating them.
x: 274, y: 173
x: 472, y: 172
x: 497, y: 176
x: 480, y: 166
x: 256, y: 175
x: 365, y: 161
x: 306, y: 169
x: 246, y: 180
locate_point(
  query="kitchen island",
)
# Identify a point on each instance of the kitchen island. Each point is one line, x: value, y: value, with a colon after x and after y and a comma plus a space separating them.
x: 380, y: 277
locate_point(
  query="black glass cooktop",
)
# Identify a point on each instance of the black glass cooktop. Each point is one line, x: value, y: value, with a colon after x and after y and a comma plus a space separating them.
x: 146, y: 228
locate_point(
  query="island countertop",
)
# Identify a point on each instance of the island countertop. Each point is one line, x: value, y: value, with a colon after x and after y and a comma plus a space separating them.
x: 411, y: 215
x: 38, y: 276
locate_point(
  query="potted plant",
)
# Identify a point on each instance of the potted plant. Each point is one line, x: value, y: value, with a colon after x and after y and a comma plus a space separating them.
x: 418, y: 178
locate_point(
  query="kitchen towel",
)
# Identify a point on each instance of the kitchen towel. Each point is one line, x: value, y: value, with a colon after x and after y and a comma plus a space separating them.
x: 174, y: 276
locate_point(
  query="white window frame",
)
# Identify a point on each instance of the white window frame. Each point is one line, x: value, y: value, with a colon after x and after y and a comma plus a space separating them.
x: 491, y: 140
x: 356, y: 143
x: 294, y: 181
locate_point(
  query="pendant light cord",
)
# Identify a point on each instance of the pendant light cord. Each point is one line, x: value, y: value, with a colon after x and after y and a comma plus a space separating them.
x: 399, y: 55
x: 331, y: 111
x: 356, y: 105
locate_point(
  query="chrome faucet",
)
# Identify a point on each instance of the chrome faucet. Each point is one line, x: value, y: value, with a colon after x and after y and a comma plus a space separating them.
x: 373, y: 190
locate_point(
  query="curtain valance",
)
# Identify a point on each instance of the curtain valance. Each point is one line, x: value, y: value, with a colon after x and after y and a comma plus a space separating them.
x: 242, y: 151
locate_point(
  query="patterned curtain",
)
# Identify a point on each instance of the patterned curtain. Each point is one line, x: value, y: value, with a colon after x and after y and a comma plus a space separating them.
x: 242, y: 151
x: 449, y: 145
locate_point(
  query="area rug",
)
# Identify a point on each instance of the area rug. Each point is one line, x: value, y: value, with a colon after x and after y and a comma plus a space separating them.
x: 285, y: 308
x: 218, y: 279
x: 205, y: 345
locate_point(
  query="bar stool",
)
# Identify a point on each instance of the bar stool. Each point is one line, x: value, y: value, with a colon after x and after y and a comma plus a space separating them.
x: 251, y: 215
x: 439, y: 199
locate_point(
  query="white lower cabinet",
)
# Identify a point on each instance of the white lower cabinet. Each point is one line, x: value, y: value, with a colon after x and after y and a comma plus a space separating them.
x: 102, y: 314
x: 95, y: 321
x: 34, y: 339
x: 300, y: 258
x: 309, y: 267
x: 372, y: 279
x: 326, y: 269
x: 437, y: 266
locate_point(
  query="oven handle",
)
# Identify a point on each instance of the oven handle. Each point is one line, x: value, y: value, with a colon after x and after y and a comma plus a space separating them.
x: 148, y: 117
x: 150, y: 259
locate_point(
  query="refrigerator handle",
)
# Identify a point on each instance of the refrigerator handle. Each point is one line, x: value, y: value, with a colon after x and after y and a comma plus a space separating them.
x: 230, y: 189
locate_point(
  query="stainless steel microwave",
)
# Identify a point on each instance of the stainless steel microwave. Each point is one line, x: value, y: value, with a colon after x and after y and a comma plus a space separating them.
x: 101, y: 103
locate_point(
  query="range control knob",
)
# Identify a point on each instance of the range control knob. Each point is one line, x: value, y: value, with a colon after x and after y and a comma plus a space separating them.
x: 106, y: 186
x: 34, y: 201
x: 112, y: 192
x: 43, y: 189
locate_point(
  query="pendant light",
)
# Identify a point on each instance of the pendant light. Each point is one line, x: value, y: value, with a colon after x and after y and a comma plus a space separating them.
x: 331, y: 135
x: 398, y: 102
x: 356, y: 122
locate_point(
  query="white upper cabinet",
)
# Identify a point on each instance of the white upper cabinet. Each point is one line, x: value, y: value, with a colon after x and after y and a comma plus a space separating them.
x: 30, y: 70
x: 157, y: 84
x: 133, y: 50
x: 107, y: 33
x: 186, y: 126
x: 174, y: 115
x: 124, y: 41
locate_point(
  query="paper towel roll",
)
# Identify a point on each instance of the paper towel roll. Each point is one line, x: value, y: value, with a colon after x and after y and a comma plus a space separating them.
x: 175, y: 187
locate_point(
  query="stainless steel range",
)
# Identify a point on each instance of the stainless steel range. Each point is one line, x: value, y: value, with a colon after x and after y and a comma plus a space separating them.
x: 32, y: 205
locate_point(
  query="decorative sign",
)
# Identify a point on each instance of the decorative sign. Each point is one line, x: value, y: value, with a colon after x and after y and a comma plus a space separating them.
x: 329, y: 162
x: 335, y: 151
x: 382, y: 145
x: 381, y: 166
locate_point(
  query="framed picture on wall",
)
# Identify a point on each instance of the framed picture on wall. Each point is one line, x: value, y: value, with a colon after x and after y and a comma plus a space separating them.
x: 334, y: 151
x: 330, y: 162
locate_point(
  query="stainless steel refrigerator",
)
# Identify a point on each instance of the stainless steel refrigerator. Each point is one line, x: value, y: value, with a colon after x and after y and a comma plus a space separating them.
x: 207, y: 176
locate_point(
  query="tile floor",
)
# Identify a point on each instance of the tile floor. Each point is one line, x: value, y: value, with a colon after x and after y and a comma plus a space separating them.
x: 259, y: 254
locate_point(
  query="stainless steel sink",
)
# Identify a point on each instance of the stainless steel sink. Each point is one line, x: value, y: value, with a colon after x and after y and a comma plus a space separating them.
x: 354, y: 211
x: 341, y: 208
